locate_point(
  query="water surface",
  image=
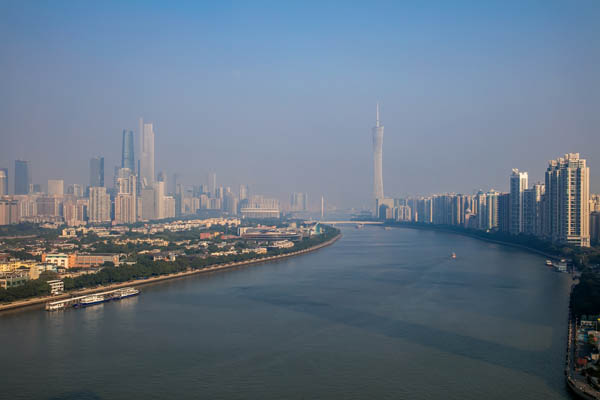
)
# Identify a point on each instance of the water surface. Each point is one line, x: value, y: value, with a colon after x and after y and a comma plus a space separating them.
x: 381, y: 314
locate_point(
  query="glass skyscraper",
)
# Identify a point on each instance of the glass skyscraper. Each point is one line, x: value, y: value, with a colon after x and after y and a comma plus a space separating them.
x: 127, y: 152
x: 97, y: 172
x: 22, y: 177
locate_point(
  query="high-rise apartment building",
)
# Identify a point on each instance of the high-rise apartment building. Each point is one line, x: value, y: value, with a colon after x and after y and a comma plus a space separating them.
x: 146, y: 154
x: 97, y: 172
x: 3, y: 181
x: 567, y: 200
x: 377, y: 161
x: 126, y: 198
x: 22, y: 177
x: 533, y: 212
x: 99, y: 205
x: 127, y: 151
x: 518, y: 184
x: 56, y: 187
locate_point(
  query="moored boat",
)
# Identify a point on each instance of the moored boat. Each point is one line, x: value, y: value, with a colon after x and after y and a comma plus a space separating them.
x: 127, y: 292
x: 453, y: 256
x: 91, y: 300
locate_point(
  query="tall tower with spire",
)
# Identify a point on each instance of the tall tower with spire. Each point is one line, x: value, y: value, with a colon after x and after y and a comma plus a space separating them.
x: 377, y: 161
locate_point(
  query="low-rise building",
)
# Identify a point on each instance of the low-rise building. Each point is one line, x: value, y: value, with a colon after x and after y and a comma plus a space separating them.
x: 60, y: 259
x: 12, y: 279
x: 56, y: 287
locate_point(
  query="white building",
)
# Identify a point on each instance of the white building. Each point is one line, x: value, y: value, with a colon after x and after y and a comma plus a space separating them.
x: 568, y: 200
x: 99, y: 205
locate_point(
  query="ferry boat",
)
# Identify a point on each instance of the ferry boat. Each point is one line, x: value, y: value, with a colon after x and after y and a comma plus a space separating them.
x: 91, y: 300
x: 453, y: 256
x: 548, y: 263
x: 127, y: 292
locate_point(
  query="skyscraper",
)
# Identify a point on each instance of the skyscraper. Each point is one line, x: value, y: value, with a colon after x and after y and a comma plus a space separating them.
x: 3, y: 181
x: 377, y: 160
x: 518, y: 184
x: 146, y: 154
x: 127, y: 152
x: 97, y: 172
x: 567, y: 200
x: 212, y: 184
x: 22, y: 177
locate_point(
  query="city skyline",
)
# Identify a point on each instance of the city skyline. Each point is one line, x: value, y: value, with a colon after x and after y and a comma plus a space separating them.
x: 467, y: 107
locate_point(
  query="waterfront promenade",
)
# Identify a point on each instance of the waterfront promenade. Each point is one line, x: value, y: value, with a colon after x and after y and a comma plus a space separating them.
x: 38, y: 301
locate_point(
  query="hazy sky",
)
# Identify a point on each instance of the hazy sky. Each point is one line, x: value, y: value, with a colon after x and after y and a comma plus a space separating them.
x: 282, y: 95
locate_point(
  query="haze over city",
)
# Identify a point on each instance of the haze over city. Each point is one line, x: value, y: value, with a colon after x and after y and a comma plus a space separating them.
x: 282, y: 96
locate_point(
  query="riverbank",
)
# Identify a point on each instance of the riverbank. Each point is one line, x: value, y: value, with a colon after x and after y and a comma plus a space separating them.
x: 38, y: 301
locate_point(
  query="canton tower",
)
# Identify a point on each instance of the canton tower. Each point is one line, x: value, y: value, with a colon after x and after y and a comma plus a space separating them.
x: 377, y: 160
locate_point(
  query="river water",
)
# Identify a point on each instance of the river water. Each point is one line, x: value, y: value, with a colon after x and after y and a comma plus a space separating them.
x: 381, y: 314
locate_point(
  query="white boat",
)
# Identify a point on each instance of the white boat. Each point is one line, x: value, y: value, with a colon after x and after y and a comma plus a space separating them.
x: 91, y: 300
x: 127, y: 292
x: 453, y: 256
x: 549, y: 263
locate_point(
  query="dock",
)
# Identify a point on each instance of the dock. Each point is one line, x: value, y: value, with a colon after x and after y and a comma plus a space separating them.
x: 76, y: 301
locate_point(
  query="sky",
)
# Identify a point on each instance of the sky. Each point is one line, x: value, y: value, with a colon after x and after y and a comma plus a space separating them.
x: 281, y: 95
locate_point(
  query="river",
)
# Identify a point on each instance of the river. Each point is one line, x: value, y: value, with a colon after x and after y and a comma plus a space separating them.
x: 381, y: 314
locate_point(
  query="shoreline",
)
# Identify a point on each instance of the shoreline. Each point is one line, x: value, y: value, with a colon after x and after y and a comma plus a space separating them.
x: 38, y: 301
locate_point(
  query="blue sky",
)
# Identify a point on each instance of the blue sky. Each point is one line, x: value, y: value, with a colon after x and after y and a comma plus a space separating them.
x: 281, y: 95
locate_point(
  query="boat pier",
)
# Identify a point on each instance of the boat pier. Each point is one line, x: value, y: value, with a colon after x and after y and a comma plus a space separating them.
x: 78, y: 301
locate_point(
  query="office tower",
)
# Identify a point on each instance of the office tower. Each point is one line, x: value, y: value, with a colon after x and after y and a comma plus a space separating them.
x: 377, y: 160
x: 518, y: 184
x: 127, y: 151
x: 298, y: 202
x: 212, y: 184
x: 532, y: 210
x: 56, y: 187
x: 146, y: 153
x: 3, y: 182
x: 567, y: 200
x: 99, y: 205
x: 243, y: 192
x: 22, y: 177
x: 97, y: 172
